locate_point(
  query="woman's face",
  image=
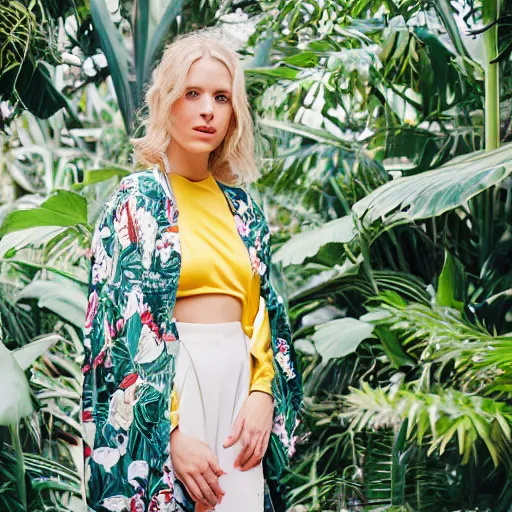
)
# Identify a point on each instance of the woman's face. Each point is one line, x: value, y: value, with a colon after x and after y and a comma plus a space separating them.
x: 206, y: 101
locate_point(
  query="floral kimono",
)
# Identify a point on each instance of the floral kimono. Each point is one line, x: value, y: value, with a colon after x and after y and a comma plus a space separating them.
x: 131, y: 347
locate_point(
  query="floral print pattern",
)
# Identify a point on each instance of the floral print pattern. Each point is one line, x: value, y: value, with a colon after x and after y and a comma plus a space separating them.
x: 132, y: 344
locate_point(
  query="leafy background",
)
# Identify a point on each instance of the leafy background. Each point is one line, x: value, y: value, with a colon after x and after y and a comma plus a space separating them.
x: 385, y: 133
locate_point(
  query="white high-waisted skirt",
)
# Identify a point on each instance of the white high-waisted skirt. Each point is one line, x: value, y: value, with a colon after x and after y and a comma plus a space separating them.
x: 212, y: 381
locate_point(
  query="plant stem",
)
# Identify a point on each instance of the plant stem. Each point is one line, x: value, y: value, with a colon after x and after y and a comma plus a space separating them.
x: 20, y: 464
x: 491, y: 11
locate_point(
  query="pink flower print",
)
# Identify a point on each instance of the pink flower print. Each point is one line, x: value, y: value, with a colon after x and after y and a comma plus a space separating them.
x: 92, y: 309
x: 146, y: 317
x: 171, y: 211
x: 282, y: 345
x: 99, y: 359
x: 257, y: 243
x: 124, y: 223
x: 120, y: 324
x: 150, y: 346
x: 160, y: 502
x: 86, y: 416
x: 128, y: 381
x: 111, y: 330
x: 241, y: 226
x: 86, y: 368
x: 279, y: 429
x: 291, y: 448
x: 169, y: 336
x: 255, y: 261
x: 108, y: 361
x: 166, y: 244
x: 258, y: 267
x: 136, y: 504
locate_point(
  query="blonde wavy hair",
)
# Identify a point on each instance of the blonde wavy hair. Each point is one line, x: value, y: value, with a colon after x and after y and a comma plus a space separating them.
x: 233, y: 162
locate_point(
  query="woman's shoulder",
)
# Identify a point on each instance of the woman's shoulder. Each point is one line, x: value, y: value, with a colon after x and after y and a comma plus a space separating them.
x: 143, y: 182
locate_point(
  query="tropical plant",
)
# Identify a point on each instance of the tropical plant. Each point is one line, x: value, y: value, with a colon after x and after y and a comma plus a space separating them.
x: 390, y: 389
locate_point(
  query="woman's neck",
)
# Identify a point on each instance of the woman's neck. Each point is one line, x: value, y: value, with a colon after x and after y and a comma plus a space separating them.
x: 194, y: 167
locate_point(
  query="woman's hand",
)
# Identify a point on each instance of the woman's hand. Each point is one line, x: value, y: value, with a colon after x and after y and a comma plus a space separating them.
x: 197, y: 467
x: 253, y: 426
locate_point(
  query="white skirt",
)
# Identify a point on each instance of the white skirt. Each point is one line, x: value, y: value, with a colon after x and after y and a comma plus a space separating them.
x: 212, y: 381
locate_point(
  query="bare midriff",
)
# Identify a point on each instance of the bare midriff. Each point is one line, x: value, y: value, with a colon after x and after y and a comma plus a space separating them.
x: 208, y: 308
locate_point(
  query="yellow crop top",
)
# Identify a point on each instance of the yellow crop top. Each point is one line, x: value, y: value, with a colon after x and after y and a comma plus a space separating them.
x: 215, y: 260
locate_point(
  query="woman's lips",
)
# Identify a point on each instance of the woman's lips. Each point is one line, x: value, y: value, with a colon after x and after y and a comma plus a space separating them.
x: 205, y: 134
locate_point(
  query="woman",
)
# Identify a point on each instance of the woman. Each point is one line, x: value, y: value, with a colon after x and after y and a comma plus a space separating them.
x: 186, y: 406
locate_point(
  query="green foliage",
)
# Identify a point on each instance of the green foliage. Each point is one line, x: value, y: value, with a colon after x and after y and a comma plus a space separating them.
x: 395, y: 237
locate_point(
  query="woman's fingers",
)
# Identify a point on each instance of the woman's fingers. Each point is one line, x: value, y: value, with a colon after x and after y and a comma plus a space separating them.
x: 256, y: 455
x: 193, y: 489
x: 213, y: 481
x: 247, y: 451
x: 206, y: 490
x: 236, y: 430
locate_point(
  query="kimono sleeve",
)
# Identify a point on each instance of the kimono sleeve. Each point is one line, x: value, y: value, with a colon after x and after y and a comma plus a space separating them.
x: 287, y: 382
x: 128, y: 367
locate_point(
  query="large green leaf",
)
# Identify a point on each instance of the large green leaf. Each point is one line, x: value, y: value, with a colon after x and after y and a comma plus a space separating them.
x: 35, y: 237
x: 117, y: 57
x: 63, y: 208
x: 140, y: 42
x: 340, y: 337
x: 16, y: 402
x: 69, y: 301
x: 35, y: 87
x: 92, y: 176
x: 26, y: 355
x: 172, y: 10
x: 451, y: 289
x: 322, y: 136
x: 435, y: 192
x: 308, y: 243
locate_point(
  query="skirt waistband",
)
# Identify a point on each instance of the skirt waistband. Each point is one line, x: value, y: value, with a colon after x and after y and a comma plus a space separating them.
x: 206, y: 331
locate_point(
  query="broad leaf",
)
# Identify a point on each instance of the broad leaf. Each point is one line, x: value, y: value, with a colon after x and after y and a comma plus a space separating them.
x: 173, y: 9
x: 26, y: 355
x: 435, y: 192
x: 93, y: 176
x: 63, y: 208
x: 451, y: 288
x: 308, y: 243
x: 34, y: 237
x: 117, y: 57
x: 68, y: 301
x: 340, y: 337
x: 16, y: 401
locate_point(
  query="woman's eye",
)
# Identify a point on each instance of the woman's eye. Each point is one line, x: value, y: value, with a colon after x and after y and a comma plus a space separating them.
x: 225, y: 100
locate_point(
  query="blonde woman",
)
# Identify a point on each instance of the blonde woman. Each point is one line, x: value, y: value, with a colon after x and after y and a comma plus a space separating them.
x: 189, y: 403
